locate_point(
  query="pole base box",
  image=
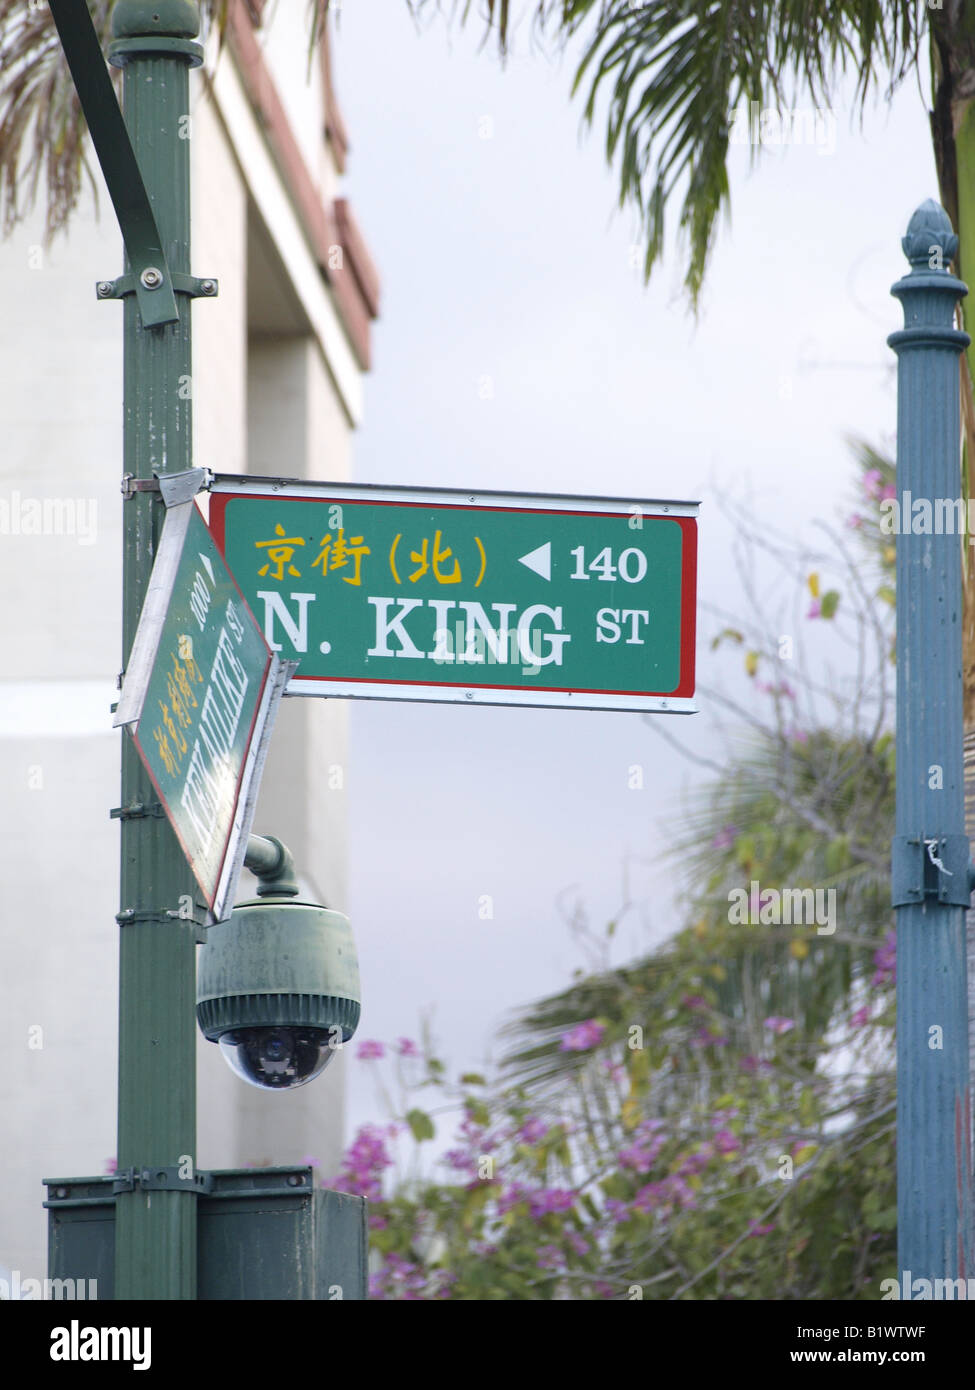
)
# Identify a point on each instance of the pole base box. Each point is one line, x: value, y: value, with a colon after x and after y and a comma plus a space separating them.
x: 262, y: 1233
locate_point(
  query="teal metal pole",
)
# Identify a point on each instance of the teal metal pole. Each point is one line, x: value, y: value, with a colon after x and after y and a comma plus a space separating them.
x: 155, y: 1230
x: 930, y: 852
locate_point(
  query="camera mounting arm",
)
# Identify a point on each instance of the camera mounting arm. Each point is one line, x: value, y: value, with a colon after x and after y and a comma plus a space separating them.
x: 273, y: 864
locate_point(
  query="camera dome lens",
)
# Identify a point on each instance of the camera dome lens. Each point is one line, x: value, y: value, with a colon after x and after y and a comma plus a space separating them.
x: 277, y: 1059
x: 276, y: 1048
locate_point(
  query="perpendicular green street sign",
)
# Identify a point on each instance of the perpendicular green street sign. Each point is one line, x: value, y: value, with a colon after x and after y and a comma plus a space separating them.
x: 199, y: 699
x: 476, y: 597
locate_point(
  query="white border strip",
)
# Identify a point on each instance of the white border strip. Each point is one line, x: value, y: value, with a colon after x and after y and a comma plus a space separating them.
x: 250, y: 783
x: 154, y: 608
x: 479, y: 695
x: 298, y: 489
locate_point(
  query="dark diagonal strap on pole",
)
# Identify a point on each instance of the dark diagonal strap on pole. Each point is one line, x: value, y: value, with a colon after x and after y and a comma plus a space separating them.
x: 143, y: 244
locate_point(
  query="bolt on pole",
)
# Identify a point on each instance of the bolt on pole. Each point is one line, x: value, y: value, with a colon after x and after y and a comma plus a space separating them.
x: 930, y: 853
x: 155, y: 1249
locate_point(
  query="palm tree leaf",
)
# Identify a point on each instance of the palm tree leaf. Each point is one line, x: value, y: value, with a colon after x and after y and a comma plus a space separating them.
x: 42, y: 129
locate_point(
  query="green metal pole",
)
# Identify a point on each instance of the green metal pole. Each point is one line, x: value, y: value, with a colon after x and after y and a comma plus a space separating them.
x: 155, y: 1231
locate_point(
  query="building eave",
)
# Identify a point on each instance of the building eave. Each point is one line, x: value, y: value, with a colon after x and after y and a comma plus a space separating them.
x: 332, y: 235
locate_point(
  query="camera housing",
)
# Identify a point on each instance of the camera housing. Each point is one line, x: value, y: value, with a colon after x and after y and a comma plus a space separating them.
x: 278, y: 988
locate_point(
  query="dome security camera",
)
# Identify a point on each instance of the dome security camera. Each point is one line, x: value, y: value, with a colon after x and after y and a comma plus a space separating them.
x: 278, y: 981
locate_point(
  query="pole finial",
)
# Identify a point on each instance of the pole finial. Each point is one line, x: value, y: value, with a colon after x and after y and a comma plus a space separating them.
x: 136, y: 19
x: 930, y: 242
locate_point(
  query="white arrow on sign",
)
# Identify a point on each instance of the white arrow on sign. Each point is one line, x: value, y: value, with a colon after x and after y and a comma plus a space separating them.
x: 205, y: 560
x: 539, y: 560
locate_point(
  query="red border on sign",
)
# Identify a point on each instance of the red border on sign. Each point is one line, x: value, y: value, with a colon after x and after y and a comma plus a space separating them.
x: 684, y: 689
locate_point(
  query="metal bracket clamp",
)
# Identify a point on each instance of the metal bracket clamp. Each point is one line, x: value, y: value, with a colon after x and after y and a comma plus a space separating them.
x: 153, y: 278
x: 161, y: 1180
x: 931, y: 867
x: 173, y: 488
x: 131, y: 485
x: 131, y: 916
x: 137, y: 811
x: 183, y: 487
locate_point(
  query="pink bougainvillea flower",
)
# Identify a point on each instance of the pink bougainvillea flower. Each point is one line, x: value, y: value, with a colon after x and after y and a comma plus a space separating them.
x: 872, y: 482
x: 550, y: 1257
x: 616, y: 1210
x: 696, y: 1162
x: 663, y: 1196
x: 550, y: 1199
x: 406, y: 1047
x: 640, y: 1157
x: 815, y: 609
x: 705, y: 1038
x: 461, y: 1160
x: 754, y: 1229
x: 725, y: 838
x: 369, y: 1050
x: 855, y: 521
x: 861, y: 1017
x: 726, y: 1142
x: 582, y: 1036
x: 614, y: 1070
x: 579, y: 1243
x: 885, y: 961
x: 779, y: 1025
x: 533, y: 1131
x: 510, y: 1197
x: 363, y: 1165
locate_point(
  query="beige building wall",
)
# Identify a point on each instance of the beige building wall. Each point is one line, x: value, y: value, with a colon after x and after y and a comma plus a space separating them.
x: 277, y: 387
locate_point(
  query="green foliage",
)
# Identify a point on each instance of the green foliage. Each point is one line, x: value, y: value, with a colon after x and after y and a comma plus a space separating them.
x: 421, y: 1125
x: 715, y: 1120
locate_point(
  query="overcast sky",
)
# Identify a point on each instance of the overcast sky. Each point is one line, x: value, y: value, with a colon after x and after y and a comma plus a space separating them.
x: 492, y: 221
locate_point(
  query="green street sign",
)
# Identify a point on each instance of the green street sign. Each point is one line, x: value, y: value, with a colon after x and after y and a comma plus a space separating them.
x: 199, y: 699
x: 483, y: 598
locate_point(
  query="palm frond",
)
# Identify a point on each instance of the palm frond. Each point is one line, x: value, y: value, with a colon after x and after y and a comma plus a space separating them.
x: 42, y: 129
x: 673, y: 75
